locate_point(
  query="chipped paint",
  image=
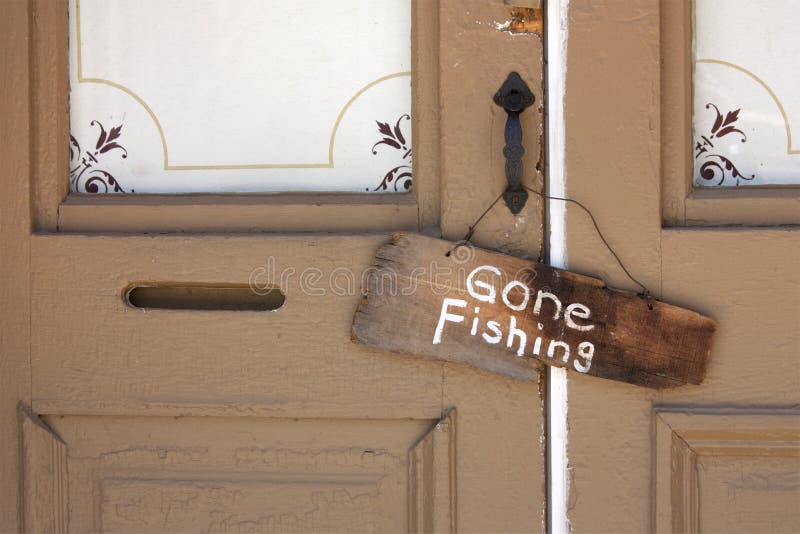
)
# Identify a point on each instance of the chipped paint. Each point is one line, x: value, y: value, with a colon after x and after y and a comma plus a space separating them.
x: 524, y: 20
x: 558, y: 493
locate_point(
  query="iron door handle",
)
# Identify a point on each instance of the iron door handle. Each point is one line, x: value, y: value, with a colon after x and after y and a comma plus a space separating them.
x: 514, y: 96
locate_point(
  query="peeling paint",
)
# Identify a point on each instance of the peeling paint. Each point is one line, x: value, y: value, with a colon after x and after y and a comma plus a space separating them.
x: 524, y: 20
x: 559, y: 471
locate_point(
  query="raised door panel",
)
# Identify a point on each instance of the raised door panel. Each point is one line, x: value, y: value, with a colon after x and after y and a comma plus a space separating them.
x: 727, y: 470
x: 215, y: 474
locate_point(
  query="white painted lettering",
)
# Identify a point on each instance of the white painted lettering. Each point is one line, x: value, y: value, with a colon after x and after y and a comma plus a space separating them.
x: 578, y: 310
x: 552, y: 349
x: 585, y: 351
x: 494, y: 326
x: 444, y: 317
x: 541, y: 295
x: 474, y: 329
x: 526, y: 295
x: 491, y: 294
x: 482, y: 285
x: 513, y: 332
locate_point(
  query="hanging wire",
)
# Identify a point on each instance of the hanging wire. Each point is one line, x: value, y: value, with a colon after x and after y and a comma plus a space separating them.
x: 471, y: 230
x: 645, y: 292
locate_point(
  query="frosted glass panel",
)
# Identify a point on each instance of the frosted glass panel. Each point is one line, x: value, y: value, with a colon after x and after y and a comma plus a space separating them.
x: 182, y: 96
x: 746, y: 87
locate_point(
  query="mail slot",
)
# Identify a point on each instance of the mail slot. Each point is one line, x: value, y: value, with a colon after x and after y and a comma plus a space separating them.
x: 204, y: 297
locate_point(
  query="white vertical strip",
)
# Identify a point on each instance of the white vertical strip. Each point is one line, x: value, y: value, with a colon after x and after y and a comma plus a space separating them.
x: 556, y: 45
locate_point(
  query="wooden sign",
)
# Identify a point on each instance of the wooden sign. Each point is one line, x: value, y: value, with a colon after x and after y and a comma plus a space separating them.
x: 505, y: 314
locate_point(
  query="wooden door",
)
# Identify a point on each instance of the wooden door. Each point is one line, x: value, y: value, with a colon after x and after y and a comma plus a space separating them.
x: 721, y: 456
x: 133, y: 419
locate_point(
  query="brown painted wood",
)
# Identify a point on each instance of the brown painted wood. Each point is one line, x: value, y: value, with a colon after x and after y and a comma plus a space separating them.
x: 206, y: 474
x: 44, y: 458
x: 154, y: 404
x: 428, y: 301
x: 15, y: 222
x: 634, y: 466
x: 432, y: 483
x: 285, y: 212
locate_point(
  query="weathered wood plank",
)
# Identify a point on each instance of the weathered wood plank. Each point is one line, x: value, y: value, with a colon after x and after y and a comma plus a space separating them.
x: 505, y: 314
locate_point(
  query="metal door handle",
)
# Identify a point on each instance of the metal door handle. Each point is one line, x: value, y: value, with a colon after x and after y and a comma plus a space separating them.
x: 514, y: 96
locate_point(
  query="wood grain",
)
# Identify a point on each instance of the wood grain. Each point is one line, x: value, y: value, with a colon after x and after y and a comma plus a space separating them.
x: 15, y: 224
x: 632, y: 339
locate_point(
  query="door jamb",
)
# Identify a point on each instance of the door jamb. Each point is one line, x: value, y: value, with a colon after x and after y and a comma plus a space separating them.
x: 555, y: 244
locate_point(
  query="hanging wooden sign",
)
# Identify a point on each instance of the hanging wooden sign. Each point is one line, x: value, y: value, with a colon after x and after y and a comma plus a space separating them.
x: 505, y: 314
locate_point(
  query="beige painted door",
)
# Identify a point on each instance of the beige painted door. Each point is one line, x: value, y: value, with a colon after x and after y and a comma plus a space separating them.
x: 141, y: 420
x: 721, y: 456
